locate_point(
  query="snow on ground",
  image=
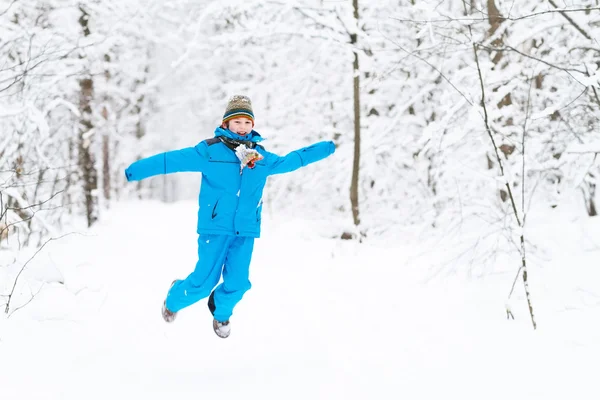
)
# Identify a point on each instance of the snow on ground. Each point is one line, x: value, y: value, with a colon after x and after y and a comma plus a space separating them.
x: 325, y: 319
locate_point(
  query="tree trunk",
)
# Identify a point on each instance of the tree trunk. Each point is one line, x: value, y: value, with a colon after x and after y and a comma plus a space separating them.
x: 356, y: 164
x: 86, y: 135
x: 588, y: 189
x: 106, y: 186
x: 140, y: 126
x: 106, y: 154
x: 495, y: 19
x: 70, y: 176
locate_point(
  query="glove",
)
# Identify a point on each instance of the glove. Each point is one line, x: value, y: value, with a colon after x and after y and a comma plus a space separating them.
x: 247, y: 156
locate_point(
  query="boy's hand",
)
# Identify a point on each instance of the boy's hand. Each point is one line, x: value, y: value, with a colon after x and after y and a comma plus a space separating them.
x: 247, y: 156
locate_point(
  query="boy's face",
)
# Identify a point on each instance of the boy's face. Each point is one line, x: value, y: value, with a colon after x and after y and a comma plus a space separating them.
x: 240, y: 126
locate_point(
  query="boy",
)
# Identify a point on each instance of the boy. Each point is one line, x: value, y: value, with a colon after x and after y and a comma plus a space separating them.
x: 234, y: 173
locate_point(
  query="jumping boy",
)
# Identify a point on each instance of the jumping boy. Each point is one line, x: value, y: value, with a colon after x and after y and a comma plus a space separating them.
x: 234, y: 171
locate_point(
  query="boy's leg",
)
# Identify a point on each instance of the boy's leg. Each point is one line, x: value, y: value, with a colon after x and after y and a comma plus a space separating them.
x: 235, y: 278
x: 212, y: 250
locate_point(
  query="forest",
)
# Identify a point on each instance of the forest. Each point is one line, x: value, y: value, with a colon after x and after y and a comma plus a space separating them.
x: 446, y: 115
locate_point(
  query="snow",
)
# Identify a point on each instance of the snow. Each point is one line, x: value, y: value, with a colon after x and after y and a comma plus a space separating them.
x: 324, y: 319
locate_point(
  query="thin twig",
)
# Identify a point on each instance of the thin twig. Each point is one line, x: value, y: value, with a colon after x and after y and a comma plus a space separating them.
x: 510, y: 48
x: 435, y: 69
x: 41, y: 203
x: 28, y: 301
x: 583, y: 152
x: 8, y: 8
x: 567, y: 105
x: 25, y: 265
x: 514, y: 282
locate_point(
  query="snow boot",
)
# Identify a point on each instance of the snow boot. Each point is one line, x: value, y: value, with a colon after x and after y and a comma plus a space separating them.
x: 222, y: 329
x: 167, y: 315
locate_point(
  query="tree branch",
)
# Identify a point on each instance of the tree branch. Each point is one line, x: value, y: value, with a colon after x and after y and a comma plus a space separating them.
x: 486, y: 17
x: 413, y: 54
x: 10, y: 295
x: 571, y: 21
x: 510, y: 48
x: 28, y: 301
x: 596, y: 97
x: 491, y: 136
x: 41, y: 203
x: 8, y: 8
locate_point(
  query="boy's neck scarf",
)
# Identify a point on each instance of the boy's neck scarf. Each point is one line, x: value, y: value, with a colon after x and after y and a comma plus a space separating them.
x: 233, y: 140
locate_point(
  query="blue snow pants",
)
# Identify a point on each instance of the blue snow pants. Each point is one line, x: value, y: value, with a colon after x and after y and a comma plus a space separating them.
x: 217, y: 254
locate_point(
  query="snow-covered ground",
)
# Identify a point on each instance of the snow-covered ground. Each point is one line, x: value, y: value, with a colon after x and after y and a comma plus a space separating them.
x: 325, y: 319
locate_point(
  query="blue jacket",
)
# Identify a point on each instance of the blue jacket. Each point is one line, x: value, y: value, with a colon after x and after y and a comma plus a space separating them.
x: 230, y: 202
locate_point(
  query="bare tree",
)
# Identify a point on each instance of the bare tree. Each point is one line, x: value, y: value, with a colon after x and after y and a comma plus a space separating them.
x: 357, y: 111
x: 515, y: 79
x: 106, y: 138
x: 87, y: 162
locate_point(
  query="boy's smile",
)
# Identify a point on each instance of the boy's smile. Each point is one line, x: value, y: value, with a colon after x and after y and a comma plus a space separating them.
x: 240, y: 126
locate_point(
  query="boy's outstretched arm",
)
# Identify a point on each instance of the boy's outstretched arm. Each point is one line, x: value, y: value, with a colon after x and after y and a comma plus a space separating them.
x: 190, y: 159
x: 301, y: 157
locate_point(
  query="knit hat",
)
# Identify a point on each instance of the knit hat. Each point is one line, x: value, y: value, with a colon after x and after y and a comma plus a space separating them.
x: 238, y: 106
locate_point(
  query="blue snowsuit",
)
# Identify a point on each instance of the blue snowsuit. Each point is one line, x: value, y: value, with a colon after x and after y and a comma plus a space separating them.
x: 229, y: 213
